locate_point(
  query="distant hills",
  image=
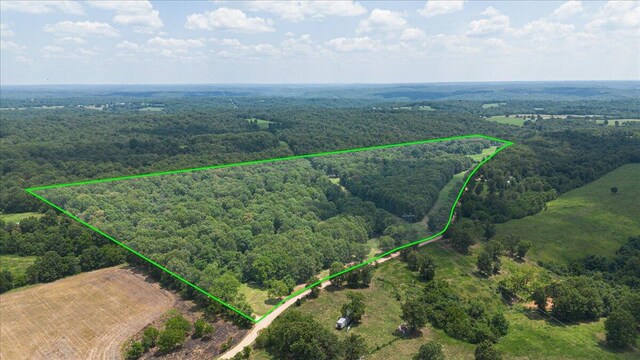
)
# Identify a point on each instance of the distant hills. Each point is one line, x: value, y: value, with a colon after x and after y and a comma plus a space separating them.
x: 557, y: 90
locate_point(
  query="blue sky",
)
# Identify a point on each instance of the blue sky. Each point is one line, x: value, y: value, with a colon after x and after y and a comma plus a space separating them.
x: 119, y: 42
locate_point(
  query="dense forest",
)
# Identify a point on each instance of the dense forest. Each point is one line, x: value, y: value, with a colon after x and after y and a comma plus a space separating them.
x: 270, y: 223
x: 527, y: 177
x: 404, y: 181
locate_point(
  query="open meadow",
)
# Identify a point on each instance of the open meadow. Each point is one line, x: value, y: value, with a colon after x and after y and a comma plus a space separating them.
x: 16, y: 218
x: 511, y: 120
x: 588, y: 220
x: 531, y: 335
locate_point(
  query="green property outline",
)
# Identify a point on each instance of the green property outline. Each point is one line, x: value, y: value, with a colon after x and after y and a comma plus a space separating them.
x: 31, y: 191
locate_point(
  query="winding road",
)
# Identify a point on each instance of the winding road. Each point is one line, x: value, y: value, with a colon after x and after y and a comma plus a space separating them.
x: 253, y: 334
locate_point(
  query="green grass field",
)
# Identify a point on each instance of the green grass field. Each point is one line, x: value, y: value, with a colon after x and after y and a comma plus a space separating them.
x: 17, y: 265
x: 612, y: 122
x: 263, y: 124
x: 492, y: 105
x: 529, y: 337
x: 486, y: 152
x: 16, y: 218
x: 257, y: 298
x: 425, y: 108
x: 507, y: 120
x: 584, y: 221
x: 443, y: 195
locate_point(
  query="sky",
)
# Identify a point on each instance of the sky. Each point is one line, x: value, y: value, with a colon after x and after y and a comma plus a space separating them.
x: 254, y: 42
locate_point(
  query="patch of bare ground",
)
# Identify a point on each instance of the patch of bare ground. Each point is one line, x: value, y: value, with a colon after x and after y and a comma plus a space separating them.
x: 87, y: 316
x: 225, y: 334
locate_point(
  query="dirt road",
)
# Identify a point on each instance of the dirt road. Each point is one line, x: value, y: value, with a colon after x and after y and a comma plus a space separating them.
x: 253, y: 334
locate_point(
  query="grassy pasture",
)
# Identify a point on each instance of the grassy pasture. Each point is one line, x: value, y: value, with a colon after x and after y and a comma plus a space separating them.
x: 507, y: 120
x: 492, y: 105
x: 612, y: 122
x: 16, y: 218
x: 263, y: 124
x: 584, y: 221
x: 151, y: 108
x: 93, y: 107
x: 426, y: 108
x: 17, y: 265
x: 529, y: 337
x: 257, y: 298
x: 486, y: 152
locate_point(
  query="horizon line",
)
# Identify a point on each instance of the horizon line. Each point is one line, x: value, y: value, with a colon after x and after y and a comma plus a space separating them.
x: 315, y: 83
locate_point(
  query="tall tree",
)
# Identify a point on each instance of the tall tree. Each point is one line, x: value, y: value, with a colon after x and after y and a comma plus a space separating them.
x: 354, y: 309
x: 486, y: 351
x: 354, y: 347
x: 430, y: 351
x: 427, y: 269
x: 485, y: 263
x: 621, y: 328
x: 489, y: 230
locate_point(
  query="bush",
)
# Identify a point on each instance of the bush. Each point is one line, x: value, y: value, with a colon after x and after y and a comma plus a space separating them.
x: 621, y: 328
x: 486, y: 351
x: 149, y: 337
x: 136, y: 349
x: 170, y: 339
x: 178, y: 322
x: 430, y: 351
x: 202, y: 328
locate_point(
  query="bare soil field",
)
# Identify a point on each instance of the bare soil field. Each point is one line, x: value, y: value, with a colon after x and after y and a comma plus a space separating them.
x: 88, y: 316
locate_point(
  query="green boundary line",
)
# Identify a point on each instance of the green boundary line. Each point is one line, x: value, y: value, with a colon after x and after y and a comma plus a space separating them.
x: 31, y: 191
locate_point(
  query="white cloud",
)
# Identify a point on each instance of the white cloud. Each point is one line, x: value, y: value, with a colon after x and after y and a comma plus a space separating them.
x: 494, y: 23
x: 70, y: 40
x: 300, y: 45
x: 545, y: 29
x: 57, y: 52
x: 175, y: 43
x: 5, y: 31
x: 139, y: 14
x: 381, y: 20
x: 434, y: 7
x: 410, y: 34
x: 81, y: 29
x: 234, y: 48
x: 228, y: 19
x: 180, y: 50
x: 11, y: 46
x: 616, y: 15
x: 567, y: 10
x: 300, y: 10
x: 128, y: 45
x: 354, y: 44
x: 52, y: 49
x: 43, y: 7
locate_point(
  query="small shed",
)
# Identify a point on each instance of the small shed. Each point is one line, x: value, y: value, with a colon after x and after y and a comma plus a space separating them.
x: 342, y: 323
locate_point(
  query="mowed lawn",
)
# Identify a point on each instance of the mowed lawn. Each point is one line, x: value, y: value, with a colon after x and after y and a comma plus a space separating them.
x: 584, y: 221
